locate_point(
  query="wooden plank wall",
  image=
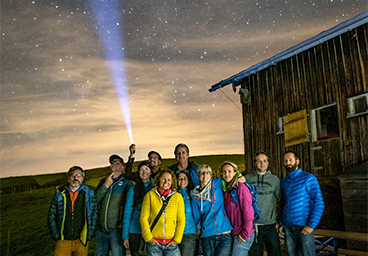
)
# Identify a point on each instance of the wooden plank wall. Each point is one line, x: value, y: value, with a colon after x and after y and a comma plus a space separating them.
x: 328, y: 73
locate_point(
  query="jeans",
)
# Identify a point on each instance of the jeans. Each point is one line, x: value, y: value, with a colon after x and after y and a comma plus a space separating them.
x: 163, y: 250
x: 134, y: 243
x: 241, y: 248
x: 297, y: 243
x: 217, y: 245
x: 109, y: 240
x: 188, y: 244
x: 266, y: 234
x: 70, y: 247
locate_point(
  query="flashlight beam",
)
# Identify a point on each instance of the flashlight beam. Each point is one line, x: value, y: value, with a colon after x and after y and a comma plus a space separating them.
x: 110, y: 30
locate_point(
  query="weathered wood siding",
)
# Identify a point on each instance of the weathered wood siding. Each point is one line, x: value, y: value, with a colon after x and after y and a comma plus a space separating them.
x: 328, y: 73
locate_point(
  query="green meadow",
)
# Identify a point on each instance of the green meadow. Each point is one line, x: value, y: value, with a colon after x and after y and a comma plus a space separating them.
x: 25, y: 202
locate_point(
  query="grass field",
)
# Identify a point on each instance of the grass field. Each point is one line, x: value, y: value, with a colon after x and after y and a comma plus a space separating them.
x: 24, y: 228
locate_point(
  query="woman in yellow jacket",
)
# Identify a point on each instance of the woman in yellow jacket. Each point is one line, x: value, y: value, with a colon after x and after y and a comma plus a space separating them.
x: 168, y: 232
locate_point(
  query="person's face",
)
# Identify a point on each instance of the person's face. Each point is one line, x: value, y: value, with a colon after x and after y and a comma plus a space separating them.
x: 291, y: 164
x: 181, y: 155
x: 261, y: 163
x: 117, y: 166
x: 75, y: 178
x: 165, y: 182
x: 145, y: 173
x: 204, y: 176
x: 154, y: 160
x: 182, y: 181
x: 228, y: 172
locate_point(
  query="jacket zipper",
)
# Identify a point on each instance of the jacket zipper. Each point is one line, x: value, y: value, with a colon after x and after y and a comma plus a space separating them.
x: 107, y: 204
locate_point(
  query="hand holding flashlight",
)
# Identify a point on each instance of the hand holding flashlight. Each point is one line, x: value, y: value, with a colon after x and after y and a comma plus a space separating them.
x: 132, y: 149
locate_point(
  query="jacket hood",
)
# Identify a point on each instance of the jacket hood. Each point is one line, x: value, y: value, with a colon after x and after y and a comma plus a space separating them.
x: 204, y: 194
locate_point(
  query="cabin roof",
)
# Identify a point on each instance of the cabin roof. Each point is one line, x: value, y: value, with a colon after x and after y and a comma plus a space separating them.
x: 335, y: 31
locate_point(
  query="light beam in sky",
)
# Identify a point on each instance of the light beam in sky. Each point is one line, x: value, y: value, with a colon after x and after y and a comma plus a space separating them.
x: 107, y: 15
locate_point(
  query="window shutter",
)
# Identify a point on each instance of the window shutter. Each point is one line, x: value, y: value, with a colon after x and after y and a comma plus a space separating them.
x: 296, y: 128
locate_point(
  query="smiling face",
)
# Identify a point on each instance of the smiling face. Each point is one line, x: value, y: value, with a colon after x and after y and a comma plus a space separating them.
x: 117, y: 167
x: 165, y: 182
x: 181, y: 155
x: 145, y: 173
x: 228, y: 172
x: 182, y: 181
x: 154, y: 160
x: 204, y: 176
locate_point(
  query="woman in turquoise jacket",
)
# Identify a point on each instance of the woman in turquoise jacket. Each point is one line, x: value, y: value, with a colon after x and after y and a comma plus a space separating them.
x: 132, y: 232
x: 185, y: 185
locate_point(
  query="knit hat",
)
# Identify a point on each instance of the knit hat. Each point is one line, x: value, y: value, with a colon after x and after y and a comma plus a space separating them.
x: 144, y: 163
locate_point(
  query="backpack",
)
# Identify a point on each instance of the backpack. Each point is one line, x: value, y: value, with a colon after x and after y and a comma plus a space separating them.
x: 253, y: 192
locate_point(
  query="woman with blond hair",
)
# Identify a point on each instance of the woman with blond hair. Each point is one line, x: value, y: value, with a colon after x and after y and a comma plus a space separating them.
x: 209, y: 214
x: 238, y: 205
x: 164, y: 237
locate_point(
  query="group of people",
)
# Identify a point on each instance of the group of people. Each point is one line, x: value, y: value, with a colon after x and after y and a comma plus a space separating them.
x: 183, y: 211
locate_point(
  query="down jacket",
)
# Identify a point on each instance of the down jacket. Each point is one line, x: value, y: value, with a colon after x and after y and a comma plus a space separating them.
x: 302, y: 201
x: 56, y: 217
x: 172, y: 221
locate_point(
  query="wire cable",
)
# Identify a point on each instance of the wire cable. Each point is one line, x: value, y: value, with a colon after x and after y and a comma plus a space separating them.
x: 231, y: 100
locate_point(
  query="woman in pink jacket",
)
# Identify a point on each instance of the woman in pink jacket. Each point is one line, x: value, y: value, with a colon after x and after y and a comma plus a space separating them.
x: 238, y: 206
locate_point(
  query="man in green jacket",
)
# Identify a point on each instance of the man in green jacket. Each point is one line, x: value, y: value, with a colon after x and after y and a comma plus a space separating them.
x: 110, y: 195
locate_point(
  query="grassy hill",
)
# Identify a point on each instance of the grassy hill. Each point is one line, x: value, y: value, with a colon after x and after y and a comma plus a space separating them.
x: 25, y: 202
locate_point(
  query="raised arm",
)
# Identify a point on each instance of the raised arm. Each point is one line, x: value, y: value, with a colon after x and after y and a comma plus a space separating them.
x: 129, y: 174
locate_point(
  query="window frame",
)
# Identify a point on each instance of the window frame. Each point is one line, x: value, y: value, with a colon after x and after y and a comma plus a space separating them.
x: 352, y: 106
x: 314, y: 122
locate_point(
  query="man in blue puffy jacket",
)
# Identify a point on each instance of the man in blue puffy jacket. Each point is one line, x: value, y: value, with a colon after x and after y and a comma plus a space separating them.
x: 302, y: 207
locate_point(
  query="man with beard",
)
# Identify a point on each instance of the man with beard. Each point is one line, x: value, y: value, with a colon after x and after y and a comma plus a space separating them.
x: 111, y: 195
x: 268, y: 193
x: 154, y: 159
x: 302, y: 209
x: 73, y: 215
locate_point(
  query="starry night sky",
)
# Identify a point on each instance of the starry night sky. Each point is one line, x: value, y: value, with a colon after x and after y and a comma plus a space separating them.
x: 59, y: 104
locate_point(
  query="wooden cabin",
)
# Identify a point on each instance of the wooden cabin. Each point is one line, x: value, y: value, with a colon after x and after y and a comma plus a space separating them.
x: 313, y: 99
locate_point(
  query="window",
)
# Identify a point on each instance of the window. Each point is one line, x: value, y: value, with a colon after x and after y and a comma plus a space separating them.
x: 325, y: 123
x: 358, y: 105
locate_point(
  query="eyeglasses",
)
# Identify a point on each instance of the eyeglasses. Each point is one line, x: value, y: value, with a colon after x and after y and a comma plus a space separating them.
x: 205, y: 172
x: 76, y: 175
